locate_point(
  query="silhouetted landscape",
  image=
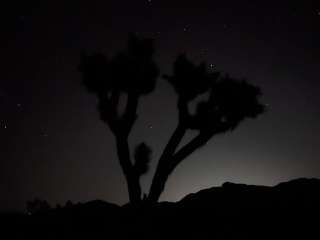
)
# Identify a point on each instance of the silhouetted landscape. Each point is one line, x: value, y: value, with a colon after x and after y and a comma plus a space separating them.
x: 232, y: 211
x: 143, y: 105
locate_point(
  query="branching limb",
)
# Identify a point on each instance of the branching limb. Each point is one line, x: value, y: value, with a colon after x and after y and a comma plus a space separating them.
x: 200, y: 140
x: 173, y: 143
x: 130, y: 115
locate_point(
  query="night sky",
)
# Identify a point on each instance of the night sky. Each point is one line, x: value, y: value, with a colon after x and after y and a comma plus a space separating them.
x: 53, y: 144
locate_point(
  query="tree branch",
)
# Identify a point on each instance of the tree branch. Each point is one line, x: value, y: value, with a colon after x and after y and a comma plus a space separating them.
x: 108, y: 111
x: 159, y: 177
x: 131, y: 175
x: 130, y: 114
x: 108, y: 106
x: 197, y: 142
x: 177, y: 135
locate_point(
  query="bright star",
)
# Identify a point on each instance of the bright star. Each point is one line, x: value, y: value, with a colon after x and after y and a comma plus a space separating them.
x: 186, y: 28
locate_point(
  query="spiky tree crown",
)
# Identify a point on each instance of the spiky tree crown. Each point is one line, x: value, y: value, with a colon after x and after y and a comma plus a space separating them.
x: 131, y: 71
x: 230, y: 100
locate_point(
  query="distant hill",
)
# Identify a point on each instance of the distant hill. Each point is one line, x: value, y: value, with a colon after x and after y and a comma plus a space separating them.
x: 299, y: 193
x: 233, y: 211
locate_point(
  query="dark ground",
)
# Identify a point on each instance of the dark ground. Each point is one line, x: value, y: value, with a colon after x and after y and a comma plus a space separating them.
x: 289, y: 210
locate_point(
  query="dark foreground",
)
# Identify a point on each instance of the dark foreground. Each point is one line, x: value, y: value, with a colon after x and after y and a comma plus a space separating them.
x: 287, y: 211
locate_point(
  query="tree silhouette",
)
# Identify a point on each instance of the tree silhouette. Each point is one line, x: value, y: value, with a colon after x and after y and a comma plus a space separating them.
x: 132, y: 74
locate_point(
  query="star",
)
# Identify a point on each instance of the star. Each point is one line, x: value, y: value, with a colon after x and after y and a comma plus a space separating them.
x: 2, y: 123
x: 186, y: 28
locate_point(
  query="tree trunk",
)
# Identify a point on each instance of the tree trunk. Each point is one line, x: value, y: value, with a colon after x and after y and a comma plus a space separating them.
x: 167, y: 164
x: 159, y: 180
x: 131, y: 176
x: 162, y: 170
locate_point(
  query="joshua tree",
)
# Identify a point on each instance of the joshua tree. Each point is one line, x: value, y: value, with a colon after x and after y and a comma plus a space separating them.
x: 133, y: 73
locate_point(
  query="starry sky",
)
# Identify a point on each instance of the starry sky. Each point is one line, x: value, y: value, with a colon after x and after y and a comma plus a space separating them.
x: 53, y: 144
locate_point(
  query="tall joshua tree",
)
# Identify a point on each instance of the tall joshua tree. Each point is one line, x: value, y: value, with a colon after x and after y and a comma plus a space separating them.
x: 133, y: 73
